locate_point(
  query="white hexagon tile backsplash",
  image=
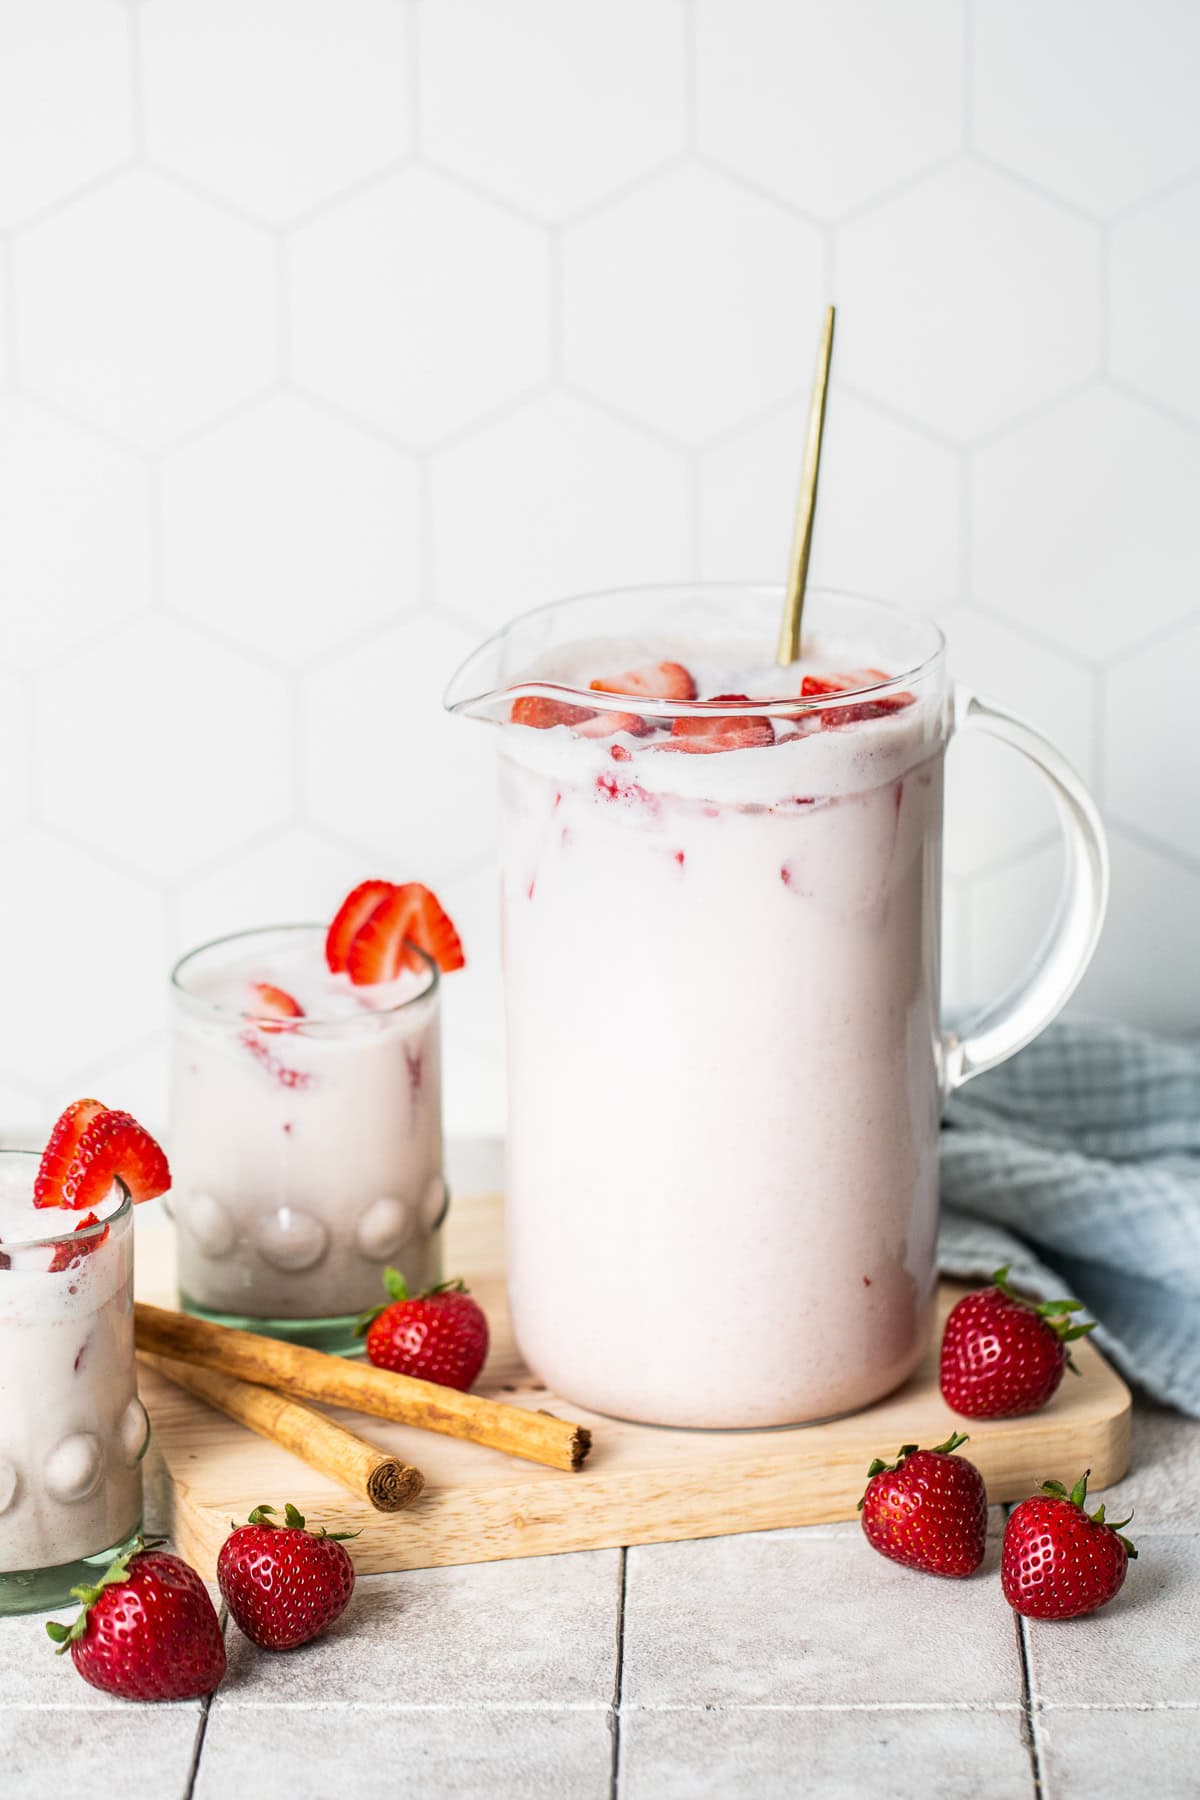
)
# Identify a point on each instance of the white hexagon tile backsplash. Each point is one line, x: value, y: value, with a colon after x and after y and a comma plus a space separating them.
x: 335, y: 332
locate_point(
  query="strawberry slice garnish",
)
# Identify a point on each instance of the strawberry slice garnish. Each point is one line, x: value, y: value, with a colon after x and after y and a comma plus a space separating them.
x: 699, y: 734
x: 59, y: 1155
x: 272, y: 1004
x: 66, y: 1256
x: 542, y: 714
x: 351, y: 915
x: 411, y: 914
x: 79, y: 1165
x: 660, y: 681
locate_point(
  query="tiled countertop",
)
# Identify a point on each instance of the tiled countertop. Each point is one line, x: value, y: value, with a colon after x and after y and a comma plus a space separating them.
x: 763, y: 1665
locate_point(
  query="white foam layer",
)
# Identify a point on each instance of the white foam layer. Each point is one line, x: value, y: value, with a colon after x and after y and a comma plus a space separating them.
x: 820, y: 764
x: 28, y: 1281
x: 300, y: 970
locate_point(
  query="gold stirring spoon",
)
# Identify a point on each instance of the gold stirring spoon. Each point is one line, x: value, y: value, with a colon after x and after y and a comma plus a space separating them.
x: 806, y: 504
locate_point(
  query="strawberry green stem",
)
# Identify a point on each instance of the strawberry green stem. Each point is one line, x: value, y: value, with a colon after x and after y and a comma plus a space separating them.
x: 117, y: 1570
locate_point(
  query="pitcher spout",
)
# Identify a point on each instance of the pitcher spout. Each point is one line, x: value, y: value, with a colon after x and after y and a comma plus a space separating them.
x: 477, y: 689
x: 503, y: 667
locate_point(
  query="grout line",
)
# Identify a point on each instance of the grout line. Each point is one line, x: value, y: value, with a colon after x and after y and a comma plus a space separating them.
x: 156, y: 535
x: 614, y: 1715
x: 1029, y: 1733
x: 8, y: 313
x: 198, y: 1747
x: 412, y: 34
x: 967, y: 77
x: 426, y: 558
x: 691, y: 80
x: 282, y: 274
x: 1104, y: 303
x: 202, y: 1727
x: 965, y: 549
x: 533, y: 1707
x: 1099, y: 723
x: 694, y: 461
x: 555, y: 307
x: 1119, y: 826
x: 137, y: 85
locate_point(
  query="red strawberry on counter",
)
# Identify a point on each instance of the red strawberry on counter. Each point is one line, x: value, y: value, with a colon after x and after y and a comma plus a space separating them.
x: 89, y: 1148
x: 1058, y: 1561
x: 1002, y: 1355
x: 928, y: 1509
x: 440, y: 1335
x: 282, y: 1583
x: 148, y: 1630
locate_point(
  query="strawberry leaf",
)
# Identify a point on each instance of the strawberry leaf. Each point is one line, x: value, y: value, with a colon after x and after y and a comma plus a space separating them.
x: 117, y: 1570
x: 395, y: 1284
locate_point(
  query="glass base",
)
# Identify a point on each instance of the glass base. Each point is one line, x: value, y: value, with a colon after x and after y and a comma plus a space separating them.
x: 334, y: 1335
x: 45, y: 1590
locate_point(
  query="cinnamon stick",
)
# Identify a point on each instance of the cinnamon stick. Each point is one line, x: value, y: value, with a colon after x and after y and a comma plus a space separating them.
x: 385, y: 1481
x: 295, y: 1370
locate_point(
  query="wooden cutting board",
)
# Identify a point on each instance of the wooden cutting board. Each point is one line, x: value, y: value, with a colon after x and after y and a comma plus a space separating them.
x: 641, y: 1484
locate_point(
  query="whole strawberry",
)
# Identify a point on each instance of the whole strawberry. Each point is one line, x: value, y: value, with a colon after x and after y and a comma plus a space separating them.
x: 440, y: 1335
x: 1002, y: 1355
x: 928, y: 1509
x: 1059, y: 1561
x: 148, y: 1630
x: 283, y: 1584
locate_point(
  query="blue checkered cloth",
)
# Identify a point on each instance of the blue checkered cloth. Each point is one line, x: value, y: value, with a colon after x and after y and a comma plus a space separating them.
x: 1078, y: 1162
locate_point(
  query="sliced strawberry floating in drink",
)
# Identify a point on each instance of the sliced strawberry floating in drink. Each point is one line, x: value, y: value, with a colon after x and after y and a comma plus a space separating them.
x: 351, y: 915
x: 409, y: 915
x: 90, y: 1147
x: 273, y: 1008
x: 607, y: 724
x: 67, y: 1256
x: 814, y: 685
x: 834, y: 717
x: 659, y: 681
x: 543, y: 714
x: 698, y: 734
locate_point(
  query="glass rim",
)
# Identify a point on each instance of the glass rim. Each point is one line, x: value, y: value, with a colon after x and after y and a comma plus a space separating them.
x: 786, y: 706
x: 329, y: 1023
x: 123, y: 1211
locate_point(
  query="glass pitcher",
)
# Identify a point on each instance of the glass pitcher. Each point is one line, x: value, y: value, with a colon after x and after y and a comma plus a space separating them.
x: 721, y: 931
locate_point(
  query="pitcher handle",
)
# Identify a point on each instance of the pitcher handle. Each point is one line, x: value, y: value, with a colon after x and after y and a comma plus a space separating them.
x: 1027, y: 1008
